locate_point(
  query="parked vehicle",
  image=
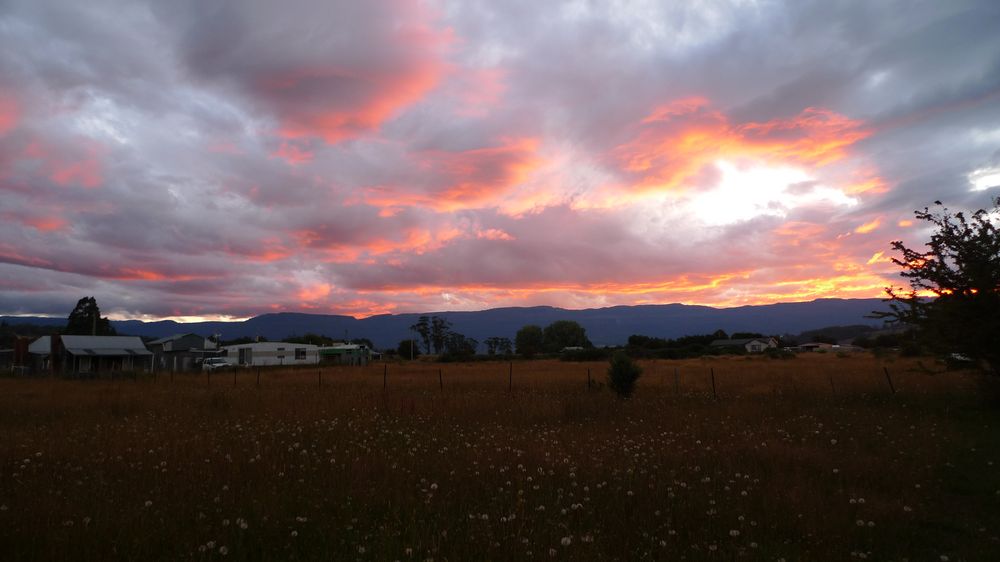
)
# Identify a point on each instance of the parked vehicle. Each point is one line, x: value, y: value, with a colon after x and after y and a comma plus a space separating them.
x: 215, y: 364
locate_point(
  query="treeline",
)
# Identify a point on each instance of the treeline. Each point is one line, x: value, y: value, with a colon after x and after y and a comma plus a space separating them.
x: 437, y: 337
x: 648, y: 347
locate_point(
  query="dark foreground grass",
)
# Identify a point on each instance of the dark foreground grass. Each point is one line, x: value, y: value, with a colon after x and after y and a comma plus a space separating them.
x: 807, y: 459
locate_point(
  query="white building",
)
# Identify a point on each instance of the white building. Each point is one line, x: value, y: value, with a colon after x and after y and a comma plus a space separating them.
x: 271, y: 353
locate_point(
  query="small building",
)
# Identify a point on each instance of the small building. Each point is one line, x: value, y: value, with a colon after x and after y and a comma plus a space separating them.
x: 750, y: 345
x: 346, y: 354
x: 271, y: 353
x: 89, y: 355
x: 181, y: 352
x: 817, y: 346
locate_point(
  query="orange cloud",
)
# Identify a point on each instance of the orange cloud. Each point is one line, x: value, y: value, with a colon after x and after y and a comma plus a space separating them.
x: 314, y: 292
x: 132, y: 274
x: 40, y: 223
x: 414, y: 240
x: 340, y: 102
x: 338, y: 121
x: 493, y: 234
x: 678, y: 140
x: 467, y: 178
x: 724, y: 289
x: 46, y: 224
x: 868, y: 226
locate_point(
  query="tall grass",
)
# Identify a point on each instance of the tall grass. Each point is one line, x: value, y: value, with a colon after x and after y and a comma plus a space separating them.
x: 807, y: 459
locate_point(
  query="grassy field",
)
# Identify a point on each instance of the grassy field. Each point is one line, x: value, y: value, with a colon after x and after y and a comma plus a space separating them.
x: 805, y: 459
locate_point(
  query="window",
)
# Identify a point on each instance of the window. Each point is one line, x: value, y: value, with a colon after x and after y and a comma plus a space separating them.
x: 300, y: 354
x: 246, y: 356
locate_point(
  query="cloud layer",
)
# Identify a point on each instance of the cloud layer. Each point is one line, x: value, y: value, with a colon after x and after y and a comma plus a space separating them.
x: 185, y: 159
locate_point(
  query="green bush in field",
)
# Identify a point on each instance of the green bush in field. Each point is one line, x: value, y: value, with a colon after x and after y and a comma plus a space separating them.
x: 622, y: 374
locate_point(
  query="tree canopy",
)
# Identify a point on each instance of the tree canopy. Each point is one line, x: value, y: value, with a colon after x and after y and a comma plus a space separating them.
x: 86, y: 320
x: 565, y: 333
x: 529, y: 340
x: 954, y: 293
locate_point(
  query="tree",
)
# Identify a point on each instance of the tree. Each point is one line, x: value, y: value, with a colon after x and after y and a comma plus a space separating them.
x: 497, y: 344
x: 529, y: 340
x: 458, y: 345
x: 623, y: 374
x: 440, y: 330
x: 954, y: 294
x: 423, y: 329
x: 409, y: 349
x: 363, y: 341
x: 565, y: 333
x: 86, y: 320
x: 311, y: 339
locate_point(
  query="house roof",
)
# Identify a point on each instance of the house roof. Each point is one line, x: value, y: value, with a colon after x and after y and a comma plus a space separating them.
x: 174, y: 337
x: 735, y: 343
x: 104, y: 345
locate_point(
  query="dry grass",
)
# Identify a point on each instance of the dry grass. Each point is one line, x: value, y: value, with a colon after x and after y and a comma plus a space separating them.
x: 783, y: 465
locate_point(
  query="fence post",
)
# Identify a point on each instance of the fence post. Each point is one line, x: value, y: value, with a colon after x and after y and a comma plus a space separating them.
x: 714, y: 393
x: 833, y: 388
x: 440, y: 380
x: 385, y: 378
x: 888, y: 378
x: 677, y: 382
x: 510, y: 378
x: 234, y: 376
x: 588, y: 379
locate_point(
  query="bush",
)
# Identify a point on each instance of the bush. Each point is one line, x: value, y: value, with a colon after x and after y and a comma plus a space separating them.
x: 778, y: 353
x: 622, y: 374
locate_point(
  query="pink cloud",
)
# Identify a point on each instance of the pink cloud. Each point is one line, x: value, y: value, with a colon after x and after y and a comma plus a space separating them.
x: 464, y: 178
x: 79, y: 164
x: 8, y: 114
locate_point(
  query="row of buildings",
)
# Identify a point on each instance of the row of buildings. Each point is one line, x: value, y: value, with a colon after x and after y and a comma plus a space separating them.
x: 90, y: 355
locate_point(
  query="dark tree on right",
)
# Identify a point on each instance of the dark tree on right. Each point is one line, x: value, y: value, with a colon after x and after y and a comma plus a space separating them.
x: 954, y: 294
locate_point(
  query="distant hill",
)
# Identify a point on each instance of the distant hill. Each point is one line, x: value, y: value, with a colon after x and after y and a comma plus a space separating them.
x: 605, y: 326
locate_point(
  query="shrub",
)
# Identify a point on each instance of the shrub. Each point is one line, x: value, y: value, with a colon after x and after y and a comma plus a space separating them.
x: 622, y: 374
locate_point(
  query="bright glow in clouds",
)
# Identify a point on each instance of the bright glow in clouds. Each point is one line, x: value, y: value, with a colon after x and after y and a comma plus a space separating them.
x: 746, y: 192
x: 984, y: 178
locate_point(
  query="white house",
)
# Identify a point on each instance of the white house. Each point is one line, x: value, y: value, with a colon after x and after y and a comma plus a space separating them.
x: 750, y: 345
x: 271, y: 353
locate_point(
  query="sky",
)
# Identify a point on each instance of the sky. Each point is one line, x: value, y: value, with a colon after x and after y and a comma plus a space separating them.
x: 195, y: 160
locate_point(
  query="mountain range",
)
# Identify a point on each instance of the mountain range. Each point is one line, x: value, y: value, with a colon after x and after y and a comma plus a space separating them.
x: 605, y: 326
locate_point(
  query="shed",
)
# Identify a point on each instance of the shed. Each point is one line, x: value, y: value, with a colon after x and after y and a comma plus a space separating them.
x: 181, y: 352
x: 270, y: 353
x: 346, y: 354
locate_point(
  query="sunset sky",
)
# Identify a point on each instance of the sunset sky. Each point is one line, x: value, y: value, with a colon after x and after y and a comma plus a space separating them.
x: 226, y: 159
